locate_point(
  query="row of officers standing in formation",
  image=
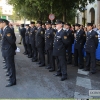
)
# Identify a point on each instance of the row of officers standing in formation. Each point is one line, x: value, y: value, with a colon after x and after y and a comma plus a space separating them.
x: 51, y: 40
x: 55, y: 41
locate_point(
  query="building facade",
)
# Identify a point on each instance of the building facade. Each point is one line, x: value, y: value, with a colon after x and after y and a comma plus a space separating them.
x: 6, y: 10
x: 90, y: 14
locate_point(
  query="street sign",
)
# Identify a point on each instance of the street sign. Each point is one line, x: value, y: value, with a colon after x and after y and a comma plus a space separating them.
x: 51, y: 16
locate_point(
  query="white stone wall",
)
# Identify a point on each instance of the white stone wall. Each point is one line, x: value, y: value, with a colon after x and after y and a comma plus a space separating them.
x: 88, y: 13
x: 6, y: 8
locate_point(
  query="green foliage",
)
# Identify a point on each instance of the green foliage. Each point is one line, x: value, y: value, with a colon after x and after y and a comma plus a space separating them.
x: 40, y: 9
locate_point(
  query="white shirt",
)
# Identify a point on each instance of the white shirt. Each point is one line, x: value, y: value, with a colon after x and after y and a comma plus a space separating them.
x: 78, y: 30
x: 90, y: 31
x: 59, y: 30
x: 4, y: 28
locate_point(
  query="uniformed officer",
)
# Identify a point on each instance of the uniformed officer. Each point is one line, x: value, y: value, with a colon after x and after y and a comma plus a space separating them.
x: 33, y: 31
x: 8, y: 50
x: 27, y: 41
x: 59, y: 50
x: 70, y: 39
x: 22, y: 33
x: 40, y: 43
x: 49, y: 39
x: 90, y: 48
x: 78, y: 47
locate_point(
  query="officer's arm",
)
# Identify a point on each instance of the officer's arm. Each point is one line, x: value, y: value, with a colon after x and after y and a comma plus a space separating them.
x: 96, y: 40
x: 64, y: 38
x: 42, y: 33
x: 84, y: 37
x: 10, y: 37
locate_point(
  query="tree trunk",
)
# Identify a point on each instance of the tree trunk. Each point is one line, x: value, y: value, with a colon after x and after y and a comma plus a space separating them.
x: 64, y: 16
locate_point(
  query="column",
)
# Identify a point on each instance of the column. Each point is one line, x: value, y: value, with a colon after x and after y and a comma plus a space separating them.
x: 98, y: 12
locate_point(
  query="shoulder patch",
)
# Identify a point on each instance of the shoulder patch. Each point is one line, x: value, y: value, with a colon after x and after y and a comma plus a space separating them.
x: 96, y: 36
x: 65, y: 37
x: 41, y: 32
x: 8, y: 34
x: 84, y: 35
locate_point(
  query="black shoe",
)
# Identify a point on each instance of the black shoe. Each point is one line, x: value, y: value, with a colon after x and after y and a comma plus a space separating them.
x: 10, y: 84
x: 19, y: 43
x: 41, y: 65
x: 69, y: 62
x: 86, y: 69
x: 63, y: 78
x: 7, y: 74
x: 6, y: 70
x: 38, y: 63
x: 25, y: 53
x: 58, y: 74
x: 48, y: 67
x: 4, y: 61
x: 74, y: 65
x: 4, y: 67
x: 51, y: 70
x: 29, y: 56
x: 8, y: 79
x: 81, y: 67
x: 34, y: 60
x: 93, y: 72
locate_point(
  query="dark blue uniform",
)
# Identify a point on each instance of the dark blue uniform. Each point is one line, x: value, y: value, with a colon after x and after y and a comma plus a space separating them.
x: 78, y: 48
x: 70, y: 40
x: 49, y: 39
x: 32, y: 42
x: 59, y: 50
x: 8, y: 52
x: 22, y: 33
x: 40, y: 44
x: 90, y: 48
x: 28, y: 43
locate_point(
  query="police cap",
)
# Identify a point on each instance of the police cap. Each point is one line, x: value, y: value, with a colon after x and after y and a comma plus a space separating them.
x: 32, y: 23
x: 39, y: 22
x: 4, y: 21
x: 48, y: 22
x: 22, y: 25
x: 68, y: 24
x: 59, y: 22
x: 27, y: 25
x: 77, y: 25
x: 89, y: 24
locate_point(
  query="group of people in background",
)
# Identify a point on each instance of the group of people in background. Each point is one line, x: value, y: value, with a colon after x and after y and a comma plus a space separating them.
x: 55, y: 39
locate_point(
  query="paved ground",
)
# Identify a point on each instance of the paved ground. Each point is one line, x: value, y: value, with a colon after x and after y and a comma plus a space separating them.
x: 35, y: 82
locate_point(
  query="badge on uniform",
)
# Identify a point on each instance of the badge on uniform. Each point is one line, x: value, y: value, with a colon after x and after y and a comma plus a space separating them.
x: 41, y: 32
x: 48, y: 36
x: 96, y: 36
x: 84, y: 35
x: 65, y: 37
x: 54, y: 33
x: 8, y: 34
x: 35, y: 30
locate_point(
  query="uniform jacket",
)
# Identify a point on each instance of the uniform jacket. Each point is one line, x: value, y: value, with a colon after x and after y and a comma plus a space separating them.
x: 8, y: 42
x: 80, y: 39
x: 27, y: 35
x: 32, y: 35
x: 40, y: 38
x: 22, y: 32
x: 91, y: 41
x: 60, y: 42
x: 49, y: 39
x: 70, y: 37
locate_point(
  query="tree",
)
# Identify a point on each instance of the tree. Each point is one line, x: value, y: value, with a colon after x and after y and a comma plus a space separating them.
x: 40, y: 9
